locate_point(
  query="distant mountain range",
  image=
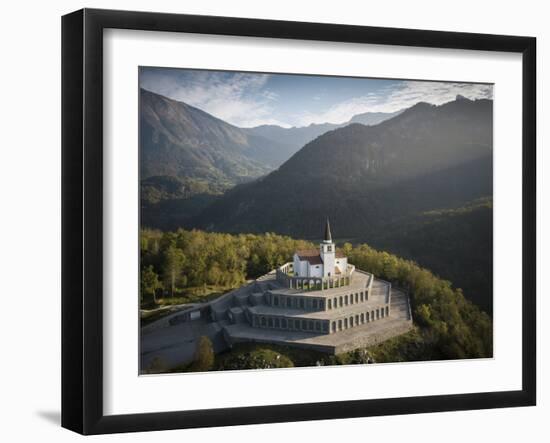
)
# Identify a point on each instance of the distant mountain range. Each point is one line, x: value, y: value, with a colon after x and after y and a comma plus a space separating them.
x: 362, y: 177
x: 182, y: 141
x: 296, y: 137
x: 179, y: 140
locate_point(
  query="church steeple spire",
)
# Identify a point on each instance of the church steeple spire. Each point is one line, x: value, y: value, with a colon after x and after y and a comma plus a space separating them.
x: 328, y: 235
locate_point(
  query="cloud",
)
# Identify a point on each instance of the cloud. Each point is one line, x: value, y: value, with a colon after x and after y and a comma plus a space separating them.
x: 238, y: 98
x: 396, y: 97
x: 246, y: 99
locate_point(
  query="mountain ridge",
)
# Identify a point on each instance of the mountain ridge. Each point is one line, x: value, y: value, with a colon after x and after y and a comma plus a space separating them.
x: 348, y: 170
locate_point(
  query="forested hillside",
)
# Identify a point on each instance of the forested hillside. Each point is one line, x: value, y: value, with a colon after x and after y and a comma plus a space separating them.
x: 448, y: 325
x: 456, y: 244
x: 365, y: 176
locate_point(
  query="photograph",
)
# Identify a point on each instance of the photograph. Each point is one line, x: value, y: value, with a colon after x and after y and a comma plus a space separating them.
x: 300, y: 220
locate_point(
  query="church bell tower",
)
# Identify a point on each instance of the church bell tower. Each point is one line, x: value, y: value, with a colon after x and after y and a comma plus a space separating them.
x: 328, y: 253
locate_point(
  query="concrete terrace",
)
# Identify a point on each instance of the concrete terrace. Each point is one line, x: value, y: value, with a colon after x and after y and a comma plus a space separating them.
x: 333, y: 320
x: 397, y: 323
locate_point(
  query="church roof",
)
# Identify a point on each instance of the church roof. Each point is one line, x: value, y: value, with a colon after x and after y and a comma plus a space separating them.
x: 313, y: 256
x: 310, y: 255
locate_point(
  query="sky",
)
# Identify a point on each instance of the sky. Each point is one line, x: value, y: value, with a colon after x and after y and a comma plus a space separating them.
x: 252, y: 99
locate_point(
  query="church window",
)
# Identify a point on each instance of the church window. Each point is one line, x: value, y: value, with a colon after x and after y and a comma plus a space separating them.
x: 329, y: 248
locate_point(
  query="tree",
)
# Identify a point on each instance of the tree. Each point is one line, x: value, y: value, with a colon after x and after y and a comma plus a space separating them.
x: 173, y: 265
x: 204, y: 355
x: 149, y: 282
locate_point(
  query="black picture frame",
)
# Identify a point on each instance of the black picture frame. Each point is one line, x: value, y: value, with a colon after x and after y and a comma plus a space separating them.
x: 82, y: 218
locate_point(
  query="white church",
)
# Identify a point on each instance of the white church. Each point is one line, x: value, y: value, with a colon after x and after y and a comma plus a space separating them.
x: 323, y: 262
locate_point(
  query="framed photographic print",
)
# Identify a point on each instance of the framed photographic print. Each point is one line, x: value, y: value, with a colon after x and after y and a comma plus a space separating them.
x: 269, y: 221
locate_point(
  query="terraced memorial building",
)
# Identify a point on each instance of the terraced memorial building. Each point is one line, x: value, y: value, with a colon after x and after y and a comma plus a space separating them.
x: 318, y: 301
